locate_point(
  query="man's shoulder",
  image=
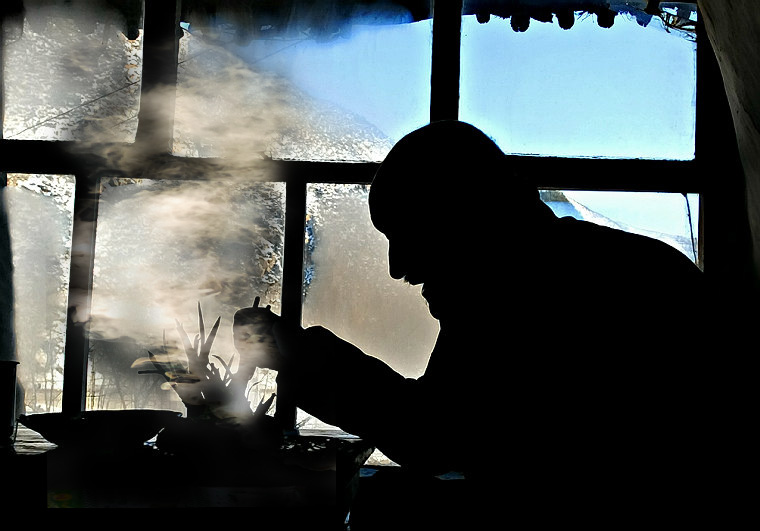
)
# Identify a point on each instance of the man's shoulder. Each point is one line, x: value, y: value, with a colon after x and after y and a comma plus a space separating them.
x: 613, y: 247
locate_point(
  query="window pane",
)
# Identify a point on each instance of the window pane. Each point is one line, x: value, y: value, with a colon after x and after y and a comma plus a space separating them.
x: 347, y: 287
x: 627, y: 91
x: 71, y: 71
x: 671, y: 218
x: 292, y: 96
x: 163, y: 247
x: 40, y: 219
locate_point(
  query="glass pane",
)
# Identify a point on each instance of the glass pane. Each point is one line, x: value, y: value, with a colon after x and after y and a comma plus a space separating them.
x: 162, y: 248
x: 71, y: 71
x: 671, y: 218
x: 40, y: 215
x: 627, y: 91
x: 347, y: 287
x: 291, y: 96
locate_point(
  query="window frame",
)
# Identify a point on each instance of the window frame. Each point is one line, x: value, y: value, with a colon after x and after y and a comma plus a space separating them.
x: 715, y: 144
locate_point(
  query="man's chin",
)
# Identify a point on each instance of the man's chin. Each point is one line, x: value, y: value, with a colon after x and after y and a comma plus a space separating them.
x: 433, y: 304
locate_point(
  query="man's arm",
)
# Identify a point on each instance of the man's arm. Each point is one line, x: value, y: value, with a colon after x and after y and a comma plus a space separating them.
x: 336, y: 382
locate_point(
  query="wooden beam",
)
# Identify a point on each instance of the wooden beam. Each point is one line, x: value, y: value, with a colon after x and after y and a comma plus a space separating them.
x: 609, y: 174
x: 31, y: 156
x: 155, y: 126
x: 444, y: 77
x: 86, y: 197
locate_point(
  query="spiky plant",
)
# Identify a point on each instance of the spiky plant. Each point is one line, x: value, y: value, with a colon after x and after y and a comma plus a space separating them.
x: 207, y: 390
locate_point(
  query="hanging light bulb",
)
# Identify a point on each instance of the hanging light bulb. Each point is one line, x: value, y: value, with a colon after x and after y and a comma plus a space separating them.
x: 605, y: 18
x: 565, y: 18
x: 519, y: 22
x: 653, y: 7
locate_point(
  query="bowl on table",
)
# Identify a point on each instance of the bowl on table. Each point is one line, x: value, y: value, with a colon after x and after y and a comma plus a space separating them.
x: 106, y: 428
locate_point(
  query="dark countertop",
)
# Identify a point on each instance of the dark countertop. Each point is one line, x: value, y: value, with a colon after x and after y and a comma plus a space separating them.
x: 313, y: 474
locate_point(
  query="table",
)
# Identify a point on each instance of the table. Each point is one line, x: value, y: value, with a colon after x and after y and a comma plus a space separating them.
x: 312, y: 478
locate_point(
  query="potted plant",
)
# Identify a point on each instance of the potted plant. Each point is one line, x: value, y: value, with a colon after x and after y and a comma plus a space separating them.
x: 215, y: 396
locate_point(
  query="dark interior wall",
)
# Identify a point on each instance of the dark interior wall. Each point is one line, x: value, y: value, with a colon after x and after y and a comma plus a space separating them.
x: 733, y: 27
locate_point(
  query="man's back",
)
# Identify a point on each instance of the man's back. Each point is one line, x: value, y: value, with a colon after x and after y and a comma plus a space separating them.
x: 595, y: 375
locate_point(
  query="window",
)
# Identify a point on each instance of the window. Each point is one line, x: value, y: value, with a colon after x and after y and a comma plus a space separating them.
x: 347, y: 287
x: 344, y: 98
x: 71, y: 72
x: 584, y: 92
x: 671, y: 218
x: 40, y: 220
x: 250, y: 178
x: 162, y: 248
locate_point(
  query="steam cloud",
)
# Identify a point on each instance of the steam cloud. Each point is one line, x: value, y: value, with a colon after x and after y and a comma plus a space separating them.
x: 195, y: 230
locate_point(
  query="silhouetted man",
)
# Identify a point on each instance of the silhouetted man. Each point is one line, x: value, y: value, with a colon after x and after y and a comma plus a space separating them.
x: 565, y: 375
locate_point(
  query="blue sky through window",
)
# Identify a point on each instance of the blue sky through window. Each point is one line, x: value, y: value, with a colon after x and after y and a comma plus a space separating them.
x: 622, y: 92
x: 381, y: 72
x: 627, y: 91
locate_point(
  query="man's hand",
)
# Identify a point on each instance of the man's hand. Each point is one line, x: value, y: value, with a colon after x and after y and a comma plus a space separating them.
x: 253, y: 333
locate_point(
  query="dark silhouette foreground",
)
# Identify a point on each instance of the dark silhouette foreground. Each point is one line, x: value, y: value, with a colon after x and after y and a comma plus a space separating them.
x: 567, y: 375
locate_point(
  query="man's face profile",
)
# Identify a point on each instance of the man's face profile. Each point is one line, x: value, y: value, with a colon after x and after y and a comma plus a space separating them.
x: 415, y: 257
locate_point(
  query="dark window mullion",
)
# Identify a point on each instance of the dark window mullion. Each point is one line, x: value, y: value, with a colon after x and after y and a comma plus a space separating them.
x: 155, y: 124
x: 297, y: 176
x: 86, y: 198
x: 154, y: 131
x: 7, y: 342
x: 624, y: 175
x: 444, y: 77
x: 292, y: 279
